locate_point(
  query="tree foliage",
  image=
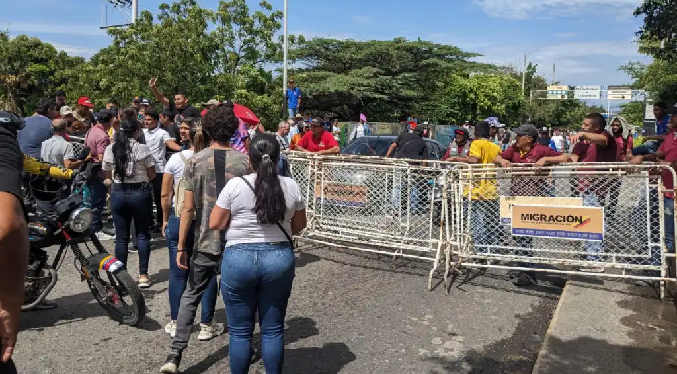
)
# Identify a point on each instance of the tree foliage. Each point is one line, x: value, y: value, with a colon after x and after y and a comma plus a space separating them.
x: 29, y: 70
x: 203, y: 53
x: 658, y: 34
x: 633, y: 112
x: 389, y: 79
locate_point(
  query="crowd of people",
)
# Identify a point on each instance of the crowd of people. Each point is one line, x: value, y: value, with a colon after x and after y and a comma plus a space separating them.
x: 215, y: 187
x: 596, y: 142
x: 219, y: 191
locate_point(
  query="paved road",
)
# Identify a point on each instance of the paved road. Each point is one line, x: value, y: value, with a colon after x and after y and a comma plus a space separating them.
x: 349, y: 313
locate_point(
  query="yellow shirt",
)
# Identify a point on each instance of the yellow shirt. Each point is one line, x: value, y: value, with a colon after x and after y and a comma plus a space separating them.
x: 484, y: 184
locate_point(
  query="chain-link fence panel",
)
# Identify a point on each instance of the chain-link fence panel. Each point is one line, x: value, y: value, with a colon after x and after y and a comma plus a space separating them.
x: 601, y: 218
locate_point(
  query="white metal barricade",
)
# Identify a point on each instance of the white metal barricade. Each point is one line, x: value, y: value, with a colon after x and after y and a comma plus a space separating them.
x: 571, y: 217
x: 561, y: 219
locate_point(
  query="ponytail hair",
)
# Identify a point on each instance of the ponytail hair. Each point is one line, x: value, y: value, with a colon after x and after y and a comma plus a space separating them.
x: 198, y: 138
x: 264, y: 154
x: 122, y: 147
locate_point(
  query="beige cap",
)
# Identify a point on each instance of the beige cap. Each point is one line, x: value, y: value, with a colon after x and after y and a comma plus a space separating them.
x: 65, y: 110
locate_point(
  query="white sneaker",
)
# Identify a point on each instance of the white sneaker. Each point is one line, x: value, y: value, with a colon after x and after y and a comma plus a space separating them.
x: 171, y: 328
x: 144, y: 281
x: 103, y: 237
x: 208, y: 332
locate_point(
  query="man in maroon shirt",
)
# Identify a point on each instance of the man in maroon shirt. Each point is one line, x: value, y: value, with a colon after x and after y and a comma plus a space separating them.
x: 667, y: 153
x: 318, y: 141
x: 527, y: 151
x: 600, y: 148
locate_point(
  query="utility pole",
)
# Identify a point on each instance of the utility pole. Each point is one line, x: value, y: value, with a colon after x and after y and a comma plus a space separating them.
x: 553, y: 73
x: 285, y: 63
x: 524, y: 73
x: 135, y: 10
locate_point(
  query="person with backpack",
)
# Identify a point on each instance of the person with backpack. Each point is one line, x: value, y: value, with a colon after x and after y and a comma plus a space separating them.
x: 205, y: 175
x: 172, y: 197
x: 260, y: 212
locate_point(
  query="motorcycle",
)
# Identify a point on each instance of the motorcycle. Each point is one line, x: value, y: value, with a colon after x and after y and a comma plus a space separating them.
x: 56, y: 217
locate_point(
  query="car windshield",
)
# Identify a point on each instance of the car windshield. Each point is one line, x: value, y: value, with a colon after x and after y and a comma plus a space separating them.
x: 369, y: 147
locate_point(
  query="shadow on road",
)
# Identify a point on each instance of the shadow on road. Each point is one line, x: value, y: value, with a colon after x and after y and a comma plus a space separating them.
x: 329, y: 359
x: 70, y: 309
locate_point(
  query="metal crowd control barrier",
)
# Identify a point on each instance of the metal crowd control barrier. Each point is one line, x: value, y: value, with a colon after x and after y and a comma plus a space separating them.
x: 374, y: 205
x: 571, y: 218
x: 562, y: 219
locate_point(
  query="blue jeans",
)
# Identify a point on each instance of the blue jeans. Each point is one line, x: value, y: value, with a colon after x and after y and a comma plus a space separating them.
x: 292, y: 112
x: 132, y: 201
x: 283, y: 167
x: 179, y: 277
x: 669, y: 218
x: 257, y: 276
x: 648, y: 148
x: 485, y: 223
x: 97, y: 200
x: 592, y: 248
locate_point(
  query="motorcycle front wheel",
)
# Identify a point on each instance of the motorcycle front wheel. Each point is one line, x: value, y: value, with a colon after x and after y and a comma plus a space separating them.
x: 117, y: 293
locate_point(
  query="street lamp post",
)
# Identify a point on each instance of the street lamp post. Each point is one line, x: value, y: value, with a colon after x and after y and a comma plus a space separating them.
x: 524, y: 71
x: 135, y: 10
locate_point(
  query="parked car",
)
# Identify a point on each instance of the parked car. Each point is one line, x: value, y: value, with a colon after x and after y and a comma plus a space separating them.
x: 377, y: 145
x: 373, y: 183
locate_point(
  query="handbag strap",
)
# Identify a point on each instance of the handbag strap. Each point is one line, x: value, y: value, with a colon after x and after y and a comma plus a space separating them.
x: 291, y: 242
x: 220, y: 174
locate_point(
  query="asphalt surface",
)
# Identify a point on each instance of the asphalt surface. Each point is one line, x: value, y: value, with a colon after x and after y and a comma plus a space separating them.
x: 349, y: 313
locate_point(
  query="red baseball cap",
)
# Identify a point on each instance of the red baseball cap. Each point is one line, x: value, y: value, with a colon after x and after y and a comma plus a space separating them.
x: 85, y: 101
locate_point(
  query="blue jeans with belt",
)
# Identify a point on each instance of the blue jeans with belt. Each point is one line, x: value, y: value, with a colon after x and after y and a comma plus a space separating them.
x: 257, y: 276
x: 178, y: 277
x: 132, y: 201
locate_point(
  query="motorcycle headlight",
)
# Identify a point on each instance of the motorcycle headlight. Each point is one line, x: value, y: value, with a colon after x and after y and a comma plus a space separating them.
x: 80, y: 219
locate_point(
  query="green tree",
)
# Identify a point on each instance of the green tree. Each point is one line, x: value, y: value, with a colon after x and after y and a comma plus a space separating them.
x: 203, y: 53
x: 386, y: 79
x: 633, y: 112
x: 29, y: 70
x: 658, y: 34
x: 659, y: 79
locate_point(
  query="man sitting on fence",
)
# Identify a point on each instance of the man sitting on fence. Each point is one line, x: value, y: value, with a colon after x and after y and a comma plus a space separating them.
x: 527, y: 151
x: 667, y: 153
x: 602, y: 149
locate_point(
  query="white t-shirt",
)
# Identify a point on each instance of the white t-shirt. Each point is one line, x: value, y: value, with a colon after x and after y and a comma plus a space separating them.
x: 559, y: 142
x: 175, y: 165
x: 138, y: 162
x: 156, y: 140
x: 244, y: 227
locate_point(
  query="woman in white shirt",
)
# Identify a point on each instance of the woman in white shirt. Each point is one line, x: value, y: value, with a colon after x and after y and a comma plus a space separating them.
x: 260, y: 211
x: 171, y: 202
x: 131, y: 167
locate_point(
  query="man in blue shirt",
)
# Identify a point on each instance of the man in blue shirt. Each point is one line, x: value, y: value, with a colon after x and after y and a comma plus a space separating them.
x: 652, y: 142
x: 293, y: 99
x: 38, y: 128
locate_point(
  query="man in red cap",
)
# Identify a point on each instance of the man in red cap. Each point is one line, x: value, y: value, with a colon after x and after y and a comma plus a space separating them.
x: 83, y: 112
x: 318, y: 141
x: 459, y: 147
